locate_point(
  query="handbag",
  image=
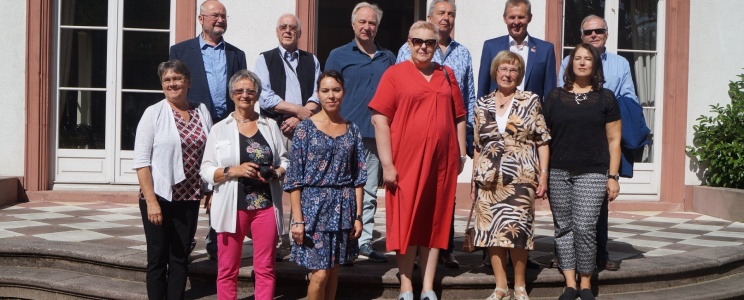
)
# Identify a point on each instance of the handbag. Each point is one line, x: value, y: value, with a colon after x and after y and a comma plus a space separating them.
x: 468, y: 244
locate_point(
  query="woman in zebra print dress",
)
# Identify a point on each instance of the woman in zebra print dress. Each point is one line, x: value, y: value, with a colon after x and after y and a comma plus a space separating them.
x: 509, y: 171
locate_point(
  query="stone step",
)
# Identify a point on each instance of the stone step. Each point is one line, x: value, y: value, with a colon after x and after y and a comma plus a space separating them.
x: 45, y: 283
x: 365, y: 280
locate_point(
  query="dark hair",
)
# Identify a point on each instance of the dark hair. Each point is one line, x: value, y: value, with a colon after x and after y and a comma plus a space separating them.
x: 597, y: 76
x: 176, y: 66
x: 333, y: 74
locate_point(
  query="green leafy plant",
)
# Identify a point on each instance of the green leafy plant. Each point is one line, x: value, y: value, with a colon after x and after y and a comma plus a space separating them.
x: 718, y: 143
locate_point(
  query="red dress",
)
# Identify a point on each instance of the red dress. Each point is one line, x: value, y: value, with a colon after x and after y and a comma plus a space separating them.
x: 425, y: 153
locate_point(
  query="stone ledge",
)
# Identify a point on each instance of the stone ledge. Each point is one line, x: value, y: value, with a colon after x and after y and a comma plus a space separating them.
x: 11, y: 191
x: 717, y: 202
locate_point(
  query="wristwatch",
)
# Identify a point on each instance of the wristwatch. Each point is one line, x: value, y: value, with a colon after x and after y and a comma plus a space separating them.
x: 225, y: 172
x: 616, y: 176
x: 463, y: 159
x: 359, y: 218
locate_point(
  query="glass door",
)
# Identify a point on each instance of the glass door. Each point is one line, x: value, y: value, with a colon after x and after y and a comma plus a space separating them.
x: 107, y: 54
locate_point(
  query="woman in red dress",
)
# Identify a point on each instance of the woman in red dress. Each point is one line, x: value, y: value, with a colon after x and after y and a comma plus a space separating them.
x: 419, y: 121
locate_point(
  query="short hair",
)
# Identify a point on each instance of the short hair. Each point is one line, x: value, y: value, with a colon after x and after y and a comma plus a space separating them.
x: 589, y: 17
x: 204, y: 5
x: 510, y: 3
x: 434, y: 3
x: 424, y: 25
x: 299, y: 23
x: 331, y: 74
x: 506, y: 56
x: 361, y: 5
x: 176, y: 66
x: 597, y: 75
x: 245, y: 74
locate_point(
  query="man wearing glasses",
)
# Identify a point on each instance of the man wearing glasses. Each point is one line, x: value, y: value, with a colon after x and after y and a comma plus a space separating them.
x: 454, y: 55
x: 212, y: 62
x: 288, y: 77
x: 617, y: 79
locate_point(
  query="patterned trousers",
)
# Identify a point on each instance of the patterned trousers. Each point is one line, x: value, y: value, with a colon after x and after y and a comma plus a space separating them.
x: 575, y: 200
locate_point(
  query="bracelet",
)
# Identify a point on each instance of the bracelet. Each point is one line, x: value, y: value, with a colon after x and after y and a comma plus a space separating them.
x: 544, y: 170
x: 297, y: 223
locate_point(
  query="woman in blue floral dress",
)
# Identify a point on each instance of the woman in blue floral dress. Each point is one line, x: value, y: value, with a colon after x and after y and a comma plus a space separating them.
x: 325, y: 180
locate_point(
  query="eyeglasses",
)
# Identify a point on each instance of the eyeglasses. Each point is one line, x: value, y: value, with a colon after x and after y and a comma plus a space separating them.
x: 215, y: 17
x: 244, y: 91
x: 287, y: 27
x: 505, y: 70
x: 597, y: 31
x: 169, y: 80
x: 417, y: 42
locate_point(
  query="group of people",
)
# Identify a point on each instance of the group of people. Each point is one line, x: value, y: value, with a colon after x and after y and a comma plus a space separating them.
x: 326, y: 139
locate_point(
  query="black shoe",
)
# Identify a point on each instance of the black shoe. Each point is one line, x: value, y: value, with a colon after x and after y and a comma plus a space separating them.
x: 586, y: 294
x: 368, y: 251
x: 532, y: 264
x: 609, y: 265
x: 569, y: 293
x: 449, y: 261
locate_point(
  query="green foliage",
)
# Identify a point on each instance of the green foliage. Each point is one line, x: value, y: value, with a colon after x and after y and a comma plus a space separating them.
x: 718, y: 143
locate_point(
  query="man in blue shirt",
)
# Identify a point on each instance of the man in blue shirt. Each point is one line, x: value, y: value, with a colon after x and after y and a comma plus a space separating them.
x: 212, y: 62
x: 456, y: 56
x: 362, y: 62
x: 617, y: 79
x: 288, y: 76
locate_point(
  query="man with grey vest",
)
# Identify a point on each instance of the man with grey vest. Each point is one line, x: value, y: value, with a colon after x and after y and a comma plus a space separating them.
x: 288, y: 77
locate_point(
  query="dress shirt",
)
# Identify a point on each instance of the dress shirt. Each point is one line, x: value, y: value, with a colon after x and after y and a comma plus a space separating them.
x: 616, y: 74
x: 268, y: 99
x: 361, y: 75
x: 523, y: 51
x: 457, y: 57
x: 215, y: 65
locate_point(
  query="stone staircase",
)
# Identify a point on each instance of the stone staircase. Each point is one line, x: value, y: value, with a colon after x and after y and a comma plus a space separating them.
x: 31, y: 269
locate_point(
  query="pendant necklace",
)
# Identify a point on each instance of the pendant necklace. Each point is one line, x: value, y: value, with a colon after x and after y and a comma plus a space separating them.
x: 501, y: 104
x: 580, y: 97
x: 246, y: 120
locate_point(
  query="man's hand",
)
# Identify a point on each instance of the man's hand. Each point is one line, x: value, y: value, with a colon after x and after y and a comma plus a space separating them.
x: 289, y: 125
x: 303, y: 113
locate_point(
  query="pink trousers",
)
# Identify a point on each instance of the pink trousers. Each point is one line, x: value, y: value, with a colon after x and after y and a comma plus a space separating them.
x: 262, y: 225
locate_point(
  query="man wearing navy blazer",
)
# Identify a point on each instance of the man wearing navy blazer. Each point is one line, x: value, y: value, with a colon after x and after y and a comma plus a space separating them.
x: 211, y: 61
x: 539, y: 76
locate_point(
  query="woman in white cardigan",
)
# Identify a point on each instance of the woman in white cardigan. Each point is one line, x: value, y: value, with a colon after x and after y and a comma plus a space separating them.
x: 168, y: 149
x: 244, y: 160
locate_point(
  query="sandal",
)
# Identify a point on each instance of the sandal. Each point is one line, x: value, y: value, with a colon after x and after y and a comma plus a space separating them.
x: 520, y: 293
x: 495, y: 295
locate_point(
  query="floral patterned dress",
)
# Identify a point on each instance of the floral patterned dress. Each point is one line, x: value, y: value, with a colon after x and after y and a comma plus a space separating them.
x: 327, y: 170
x: 506, y: 172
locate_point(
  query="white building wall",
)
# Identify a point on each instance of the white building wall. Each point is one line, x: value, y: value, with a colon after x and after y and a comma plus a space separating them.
x: 252, y: 25
x: 716, y: 48
x: 12, y: 83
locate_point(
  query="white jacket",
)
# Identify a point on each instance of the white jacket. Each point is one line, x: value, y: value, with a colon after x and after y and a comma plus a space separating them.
x: 158, y: 145
x: 222, y: 151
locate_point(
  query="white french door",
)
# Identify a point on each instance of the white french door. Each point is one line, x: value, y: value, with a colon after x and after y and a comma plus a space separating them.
x: 107, y: 54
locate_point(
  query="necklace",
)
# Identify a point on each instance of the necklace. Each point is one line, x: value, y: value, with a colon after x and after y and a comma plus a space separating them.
x: 580, y: 97
x: 244, y: 120
x: 501, y: 104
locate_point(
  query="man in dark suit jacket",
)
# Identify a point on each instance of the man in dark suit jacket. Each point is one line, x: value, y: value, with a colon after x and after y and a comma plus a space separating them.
x: 209, y: 81
x: 539, y: 75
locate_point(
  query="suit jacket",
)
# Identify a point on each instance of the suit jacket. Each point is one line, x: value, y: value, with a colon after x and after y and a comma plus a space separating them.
x: 539, y: 76
x: 189, y: 53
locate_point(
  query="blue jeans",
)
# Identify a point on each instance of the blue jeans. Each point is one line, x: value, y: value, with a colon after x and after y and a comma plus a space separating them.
x: 369, y: 204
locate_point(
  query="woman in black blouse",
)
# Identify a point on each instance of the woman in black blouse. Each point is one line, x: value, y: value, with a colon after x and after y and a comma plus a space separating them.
x: 584, y: 120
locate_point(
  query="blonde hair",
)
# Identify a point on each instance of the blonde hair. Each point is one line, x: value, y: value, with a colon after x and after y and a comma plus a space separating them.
x: 424, y: 25
x: 506, y: 56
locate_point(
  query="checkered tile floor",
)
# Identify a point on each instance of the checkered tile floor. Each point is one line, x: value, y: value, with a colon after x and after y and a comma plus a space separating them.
x: 632, y: 234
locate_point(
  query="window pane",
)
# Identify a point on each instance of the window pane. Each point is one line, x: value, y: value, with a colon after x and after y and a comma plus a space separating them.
x: 133, y: 105
x: 82, y: 120
x: 637, y: 28
x: 575, y: 11
x: 84, y: 12
x: 82, y: 58
x: 643, y: 71
x: 153, y: 14
x: 143, y: 51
